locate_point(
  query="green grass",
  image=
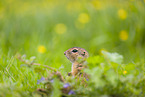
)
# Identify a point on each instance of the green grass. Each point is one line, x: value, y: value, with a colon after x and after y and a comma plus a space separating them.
x: 25, y: 25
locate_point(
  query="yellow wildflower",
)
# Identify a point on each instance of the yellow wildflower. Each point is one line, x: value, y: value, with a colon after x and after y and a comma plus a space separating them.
x: 60, y: 28
x: 83, y: 18
x: 123, y: 35
x: 41, y: 49
x: 122, y: 14
x: 124, y: 72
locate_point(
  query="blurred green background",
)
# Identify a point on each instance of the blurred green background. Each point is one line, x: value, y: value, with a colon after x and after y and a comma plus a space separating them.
x: 47, y: 28
x: 116, y: 26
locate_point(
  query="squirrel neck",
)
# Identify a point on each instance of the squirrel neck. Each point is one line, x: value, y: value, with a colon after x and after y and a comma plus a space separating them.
x: 74, y: 64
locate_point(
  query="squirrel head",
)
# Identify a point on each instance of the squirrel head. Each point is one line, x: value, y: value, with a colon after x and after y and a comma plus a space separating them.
x: 76, y: 54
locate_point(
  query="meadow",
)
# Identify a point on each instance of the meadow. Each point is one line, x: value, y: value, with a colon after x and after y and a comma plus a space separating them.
x: 40, y: 31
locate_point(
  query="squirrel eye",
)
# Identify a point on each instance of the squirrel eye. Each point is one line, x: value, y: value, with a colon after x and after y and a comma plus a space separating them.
x: 74, y: 50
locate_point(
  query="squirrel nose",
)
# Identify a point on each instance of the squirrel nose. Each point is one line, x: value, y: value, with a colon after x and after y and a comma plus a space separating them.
x: 64, y: 53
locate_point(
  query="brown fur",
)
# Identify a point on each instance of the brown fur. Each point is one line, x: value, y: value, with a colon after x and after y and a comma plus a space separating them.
x: 77, y: 56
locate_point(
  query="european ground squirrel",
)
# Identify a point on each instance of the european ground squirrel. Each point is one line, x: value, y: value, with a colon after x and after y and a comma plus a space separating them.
x: 78, y: 58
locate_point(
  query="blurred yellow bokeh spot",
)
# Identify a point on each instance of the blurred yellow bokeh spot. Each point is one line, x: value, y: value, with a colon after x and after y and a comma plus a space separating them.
x: 41, y: 49
x: 124, y: 72
x: 83, y: 18
x: 74, y: 6
x: 97, y: 4
x: 123, y: 35
x: 60, y: 28
x: 122, y: 14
